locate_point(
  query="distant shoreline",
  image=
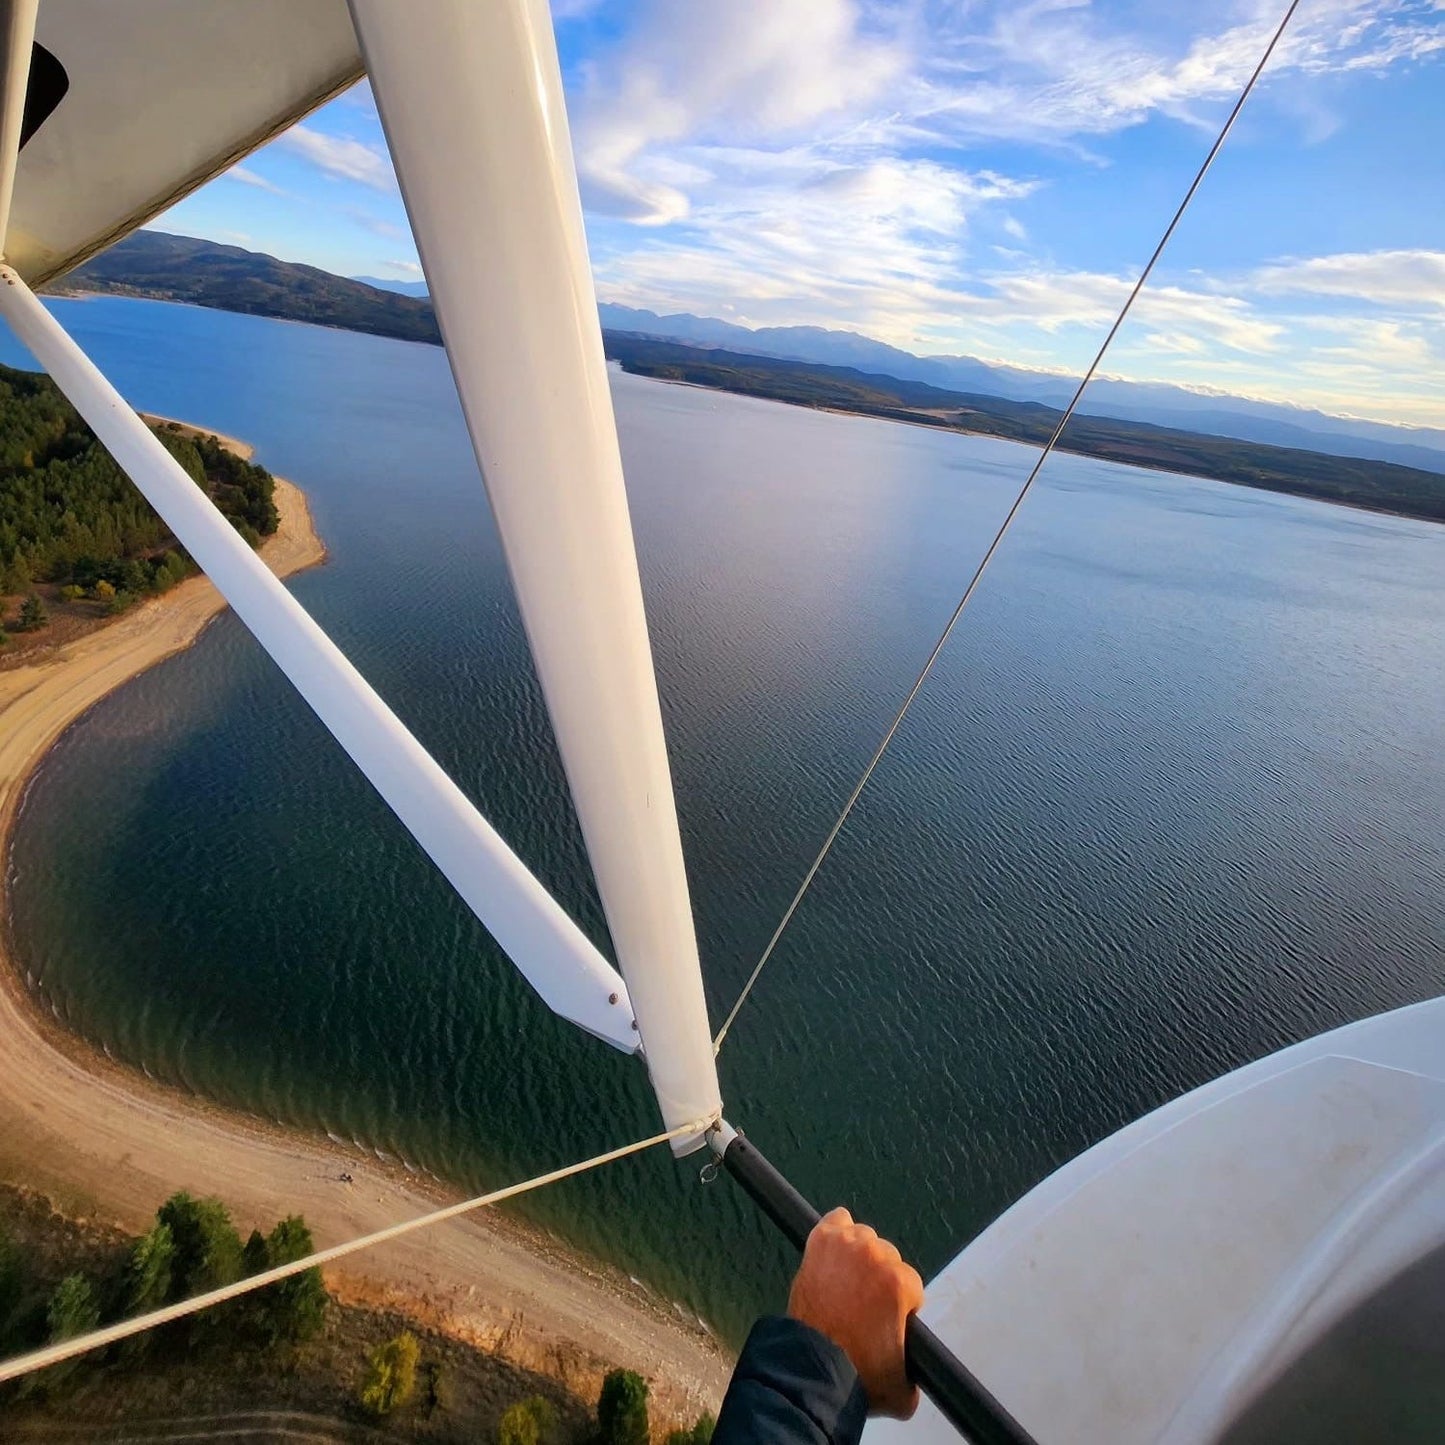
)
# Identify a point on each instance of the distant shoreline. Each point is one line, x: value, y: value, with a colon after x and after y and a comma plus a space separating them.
x: 1063, y: 451
x: 1377, y: 486
x: 61, y: 294
x: 104, y: 1140
x: 1365, y: 507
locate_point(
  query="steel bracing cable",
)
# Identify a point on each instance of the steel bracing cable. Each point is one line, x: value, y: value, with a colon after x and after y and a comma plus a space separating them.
x: 993, y: 546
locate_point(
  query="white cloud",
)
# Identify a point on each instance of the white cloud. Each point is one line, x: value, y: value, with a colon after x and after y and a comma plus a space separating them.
x: 1055, y: 69
x: 806, y: 238
x: 818, y: 162
x: 406, y: 270
x: 251, y: 178
x: 1053, y: 301
x: 1177, y: 343
x: 750, y: 70
x: 899, y: 76
x: 341, y: 158
x: 377, y: 225
x: 1263, y: 334
x: 894, y: 274
x: 810, y: 149
x: 1383, y: 345
x: 1413, y: 280
x: 757, y: 137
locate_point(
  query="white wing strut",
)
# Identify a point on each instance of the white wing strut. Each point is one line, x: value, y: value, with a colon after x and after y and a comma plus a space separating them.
x: 17, y: 40
x: 470, y: 95
x: 549, y: 949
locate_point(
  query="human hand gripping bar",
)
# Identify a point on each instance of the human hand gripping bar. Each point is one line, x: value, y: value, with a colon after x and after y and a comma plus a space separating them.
x: 931, y: 1365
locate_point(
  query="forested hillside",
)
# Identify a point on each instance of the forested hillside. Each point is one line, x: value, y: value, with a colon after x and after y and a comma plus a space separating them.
x: 70, y: 517
x: 203, y: 273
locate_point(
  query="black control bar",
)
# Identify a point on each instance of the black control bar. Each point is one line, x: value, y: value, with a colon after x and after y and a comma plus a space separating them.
x: 931, y: 1365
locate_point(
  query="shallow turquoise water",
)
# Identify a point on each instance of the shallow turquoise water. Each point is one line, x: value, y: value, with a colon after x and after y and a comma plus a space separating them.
x: 1173, y: 799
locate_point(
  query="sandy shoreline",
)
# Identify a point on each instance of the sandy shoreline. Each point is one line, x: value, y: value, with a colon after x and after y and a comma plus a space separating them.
x: 101, y: 1139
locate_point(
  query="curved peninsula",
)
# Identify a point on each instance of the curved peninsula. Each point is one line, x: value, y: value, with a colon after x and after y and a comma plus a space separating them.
x: 105, y: 1142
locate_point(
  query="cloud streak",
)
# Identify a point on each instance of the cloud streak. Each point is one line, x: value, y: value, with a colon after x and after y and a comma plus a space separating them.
x: 896, y: 78
x: 1054, y: 71
x: 340, y: 157
x: 258, y: 182
x: 1411, y: 280
x: 766, y: 71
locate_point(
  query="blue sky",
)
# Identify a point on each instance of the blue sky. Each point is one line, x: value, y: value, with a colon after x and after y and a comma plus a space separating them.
x: 976, y: 176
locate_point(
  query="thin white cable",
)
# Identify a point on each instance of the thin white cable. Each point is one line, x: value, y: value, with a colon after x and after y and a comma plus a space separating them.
x: 999, y: 535
x: 96, y: 1339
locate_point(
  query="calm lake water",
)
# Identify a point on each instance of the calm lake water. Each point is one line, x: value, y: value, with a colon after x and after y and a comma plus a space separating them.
x: 1173, y: 799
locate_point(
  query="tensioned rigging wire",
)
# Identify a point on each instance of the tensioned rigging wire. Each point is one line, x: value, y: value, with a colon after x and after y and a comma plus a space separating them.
x: 993, y: 546
x: 81, y: 1344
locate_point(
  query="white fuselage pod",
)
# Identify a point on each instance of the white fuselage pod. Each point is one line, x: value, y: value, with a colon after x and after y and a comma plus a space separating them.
x: 1162, y: 1285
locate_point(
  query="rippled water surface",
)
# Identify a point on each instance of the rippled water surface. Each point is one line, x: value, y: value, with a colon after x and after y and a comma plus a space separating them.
x: 1173, y: 798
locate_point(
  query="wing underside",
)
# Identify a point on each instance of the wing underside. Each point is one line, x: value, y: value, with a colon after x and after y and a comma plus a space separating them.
x: 152, y: 99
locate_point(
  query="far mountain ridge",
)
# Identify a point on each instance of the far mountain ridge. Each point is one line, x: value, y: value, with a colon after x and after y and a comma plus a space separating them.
x: 387, y: 283
x: 843, y: 348
x: 1159, y: 404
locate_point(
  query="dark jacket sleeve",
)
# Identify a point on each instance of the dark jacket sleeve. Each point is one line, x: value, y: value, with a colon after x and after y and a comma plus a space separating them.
x: 792, y: 1386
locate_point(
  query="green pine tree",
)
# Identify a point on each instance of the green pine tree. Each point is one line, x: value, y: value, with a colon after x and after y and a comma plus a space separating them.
x: 528, y: 1422
x: 33, y: 614
x: 622, y: 1409
x: 207, y: 1247
x: 293, y: 1309
x: 390, y: 1375
x: 147, y: 1284
x: 208, y: 1256
x: 71, y: 1311
x: 699, y: 1434
x: 148, y: 1272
